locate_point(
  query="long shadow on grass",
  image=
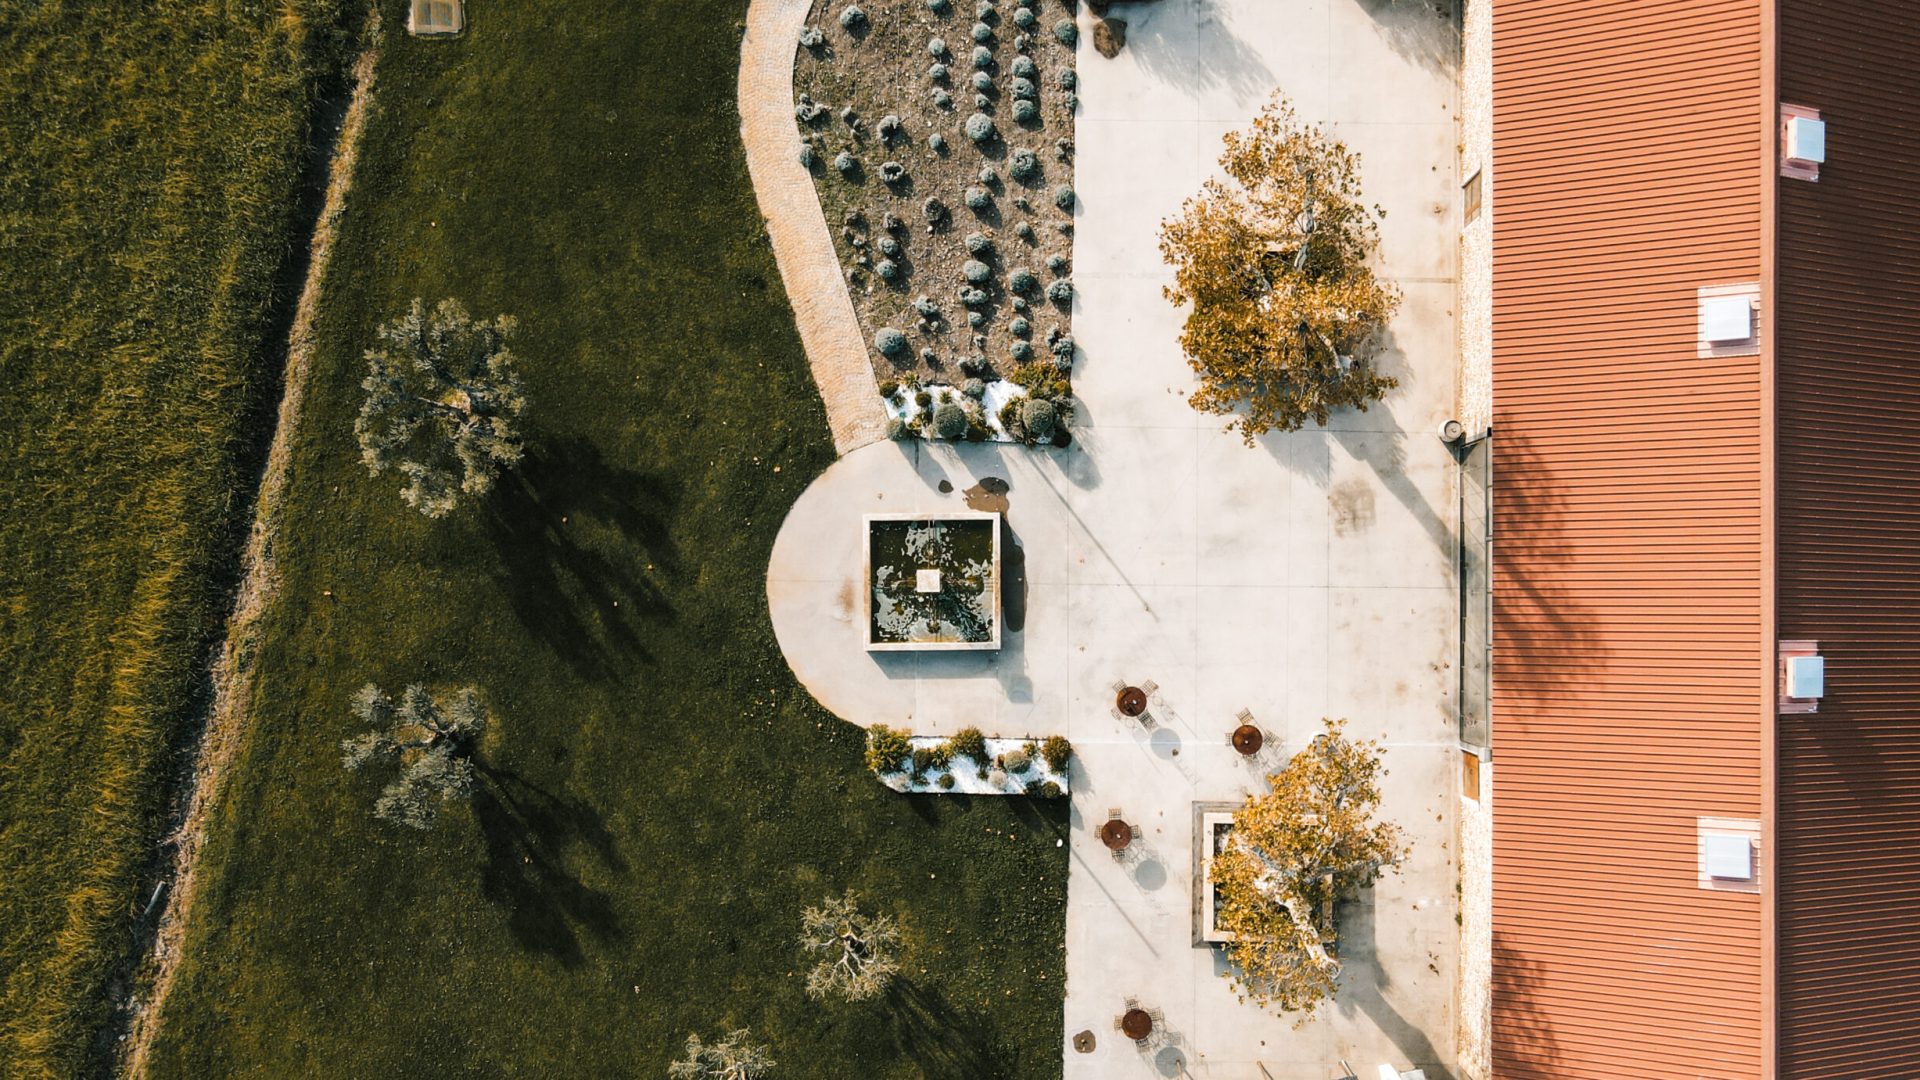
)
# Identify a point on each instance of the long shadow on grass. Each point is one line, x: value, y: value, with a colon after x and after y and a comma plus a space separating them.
x: 947, y: 1043
x: 529, y: 833
x: 572, y: 585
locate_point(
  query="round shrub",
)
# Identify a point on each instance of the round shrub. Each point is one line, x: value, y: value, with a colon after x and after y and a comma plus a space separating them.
x: 1019, y: 304
x: 988, y: 176
x: 936, y: 47
x: 897, y: 429
x: 938, y: 7
x: 1023, y: 18
x: 982, y: 33
x: 1061, y: 347
x: 978, y: 244
x: 1023, y: 165
x: 1022, y: 282
x: 942, y: 100
x: 888, y: 388
x: 974, y: 389
x: 946, y: 783
x: 969, y: 742
x: 982, y: 102
x: 1063, y: 197
x: 975, y: 271
x: 1020, y: 351
x: 1073, y: 102
x: 972, y: 297
x: 929, y: 356
x: 852, y: 18
x: 1044, y: 789
x: 937, y: 143
x: 1024, y: 88
x: 950, y: 421
x: 1039, y: 416
x: 1068, y: 33
x: 978, y: 199
x: 845, y: 163
x: 1069, y: 80
x: 1023, y: 67
x: 888, y: 246
x: 1019, y: 327
x: 984, y: 11
x: 1061, y: 292
x: 1057, y: 264
x: 976, y: 319
x: 1024, y: 231
x: 811, y: 38
x: 923, y: 399
x: 982, y: 81
x: 807, y: 110
x: 1016, y: 761
x: 1025, y: 111
x: 887, y: 269
x: 926, y: 307
x: 934, y: 210
x: 980, y: 128
x: 982, y: 56
x: 1057, y: 751
x: 888, y: 128
x: 937, y: 72
x: 893, y: 172
x: 890, y: 342
x: 808, y: 159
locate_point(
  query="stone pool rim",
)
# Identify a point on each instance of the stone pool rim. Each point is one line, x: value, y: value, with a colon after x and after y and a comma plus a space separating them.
x: 867, y: 522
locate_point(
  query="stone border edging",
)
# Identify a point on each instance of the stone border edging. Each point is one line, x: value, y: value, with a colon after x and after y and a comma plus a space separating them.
x: 802, y: 246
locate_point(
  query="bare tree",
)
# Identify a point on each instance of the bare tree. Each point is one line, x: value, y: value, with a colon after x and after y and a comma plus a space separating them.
x: 443, y: 403
x: 732, y: 1058
x: 1294, y: 851
x: 855, y: 953
x: 431, y: 739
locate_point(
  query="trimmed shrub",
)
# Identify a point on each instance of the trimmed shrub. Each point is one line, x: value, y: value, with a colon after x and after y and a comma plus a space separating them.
x: 845, y: 163
x: 1039, y: 417
x: 978, y: 244
x: 974, y: 388
x: 897, y: 429
x: 1073, y: 102
x: 888, y: 128
x: 889, y: 341
x: 1057, y: 751
x: 888, y: 246
x: 1023, y: 18
x: 942, y: 100
x: 852, y: 19
x: 922, y: 398
x: 1019, y: 303
x: 937, y: 143
x: 988, y: 176
x: 972, y: 297
x: 984, y: 11
x: 1023, y: 165
x: 1022, y: 281
x: 807, y: 110
x: 976, y: 319
x: 1042, y: 789
x: 1057, y: 264
x: 982, y: 81
x: 1063, y: 197
x: 1023, y: 67
x: 1021, y: 351
x: 1061, y: 346
x: 808, y: 159
x: 946, y: 781
x: 1025, y: 111
x: 982, y: 56
x: 939, y: 7
x: 1061, y: 292
x: 1069, y: 80
x: 1068, y: 33
x: 811, y: 38
x: 949, y: 421
x: 929, y: 356
x: 975, y: 271
x: 978, y: 199
x: 927, y: 308
x: 982, y: 101
x: 1016, y: 761
x: 887, y: 749
x: 892, y: 172
x: 970, y: 743
x: 1024, y: 231
x: 980, y: 128
x: 887, y: 270
x: 1019, y: 327
x: 888, y: 388
x: 934, y: 210
x: 937, y: 72
x: 928, y: 758
x: 1023, y: 88
x: 982, y: 33
x: 937, y: 47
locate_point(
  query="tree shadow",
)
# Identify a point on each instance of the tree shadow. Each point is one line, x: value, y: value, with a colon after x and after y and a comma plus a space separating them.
x: 1363, y: 980
x: 1153, y: 40
x: 1427, y: 33
x: 577, y: 597
x: 529, y: 834
x: 1522, y: 1037
x: 945, y: 1042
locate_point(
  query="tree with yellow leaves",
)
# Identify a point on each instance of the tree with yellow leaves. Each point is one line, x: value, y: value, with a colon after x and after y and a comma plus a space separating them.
x: 1311, y: 840
x: 1286, y: 313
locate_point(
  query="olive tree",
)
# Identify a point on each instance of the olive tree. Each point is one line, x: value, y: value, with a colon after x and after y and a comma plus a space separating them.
x: 1285, y: 312
x: 430, y: 739
x: 443, y: 405
x: 1309, y: 841
x: 854, y: 953
x: 731, y: 1058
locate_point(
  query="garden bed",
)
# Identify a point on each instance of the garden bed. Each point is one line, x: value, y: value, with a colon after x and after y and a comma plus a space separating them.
x: 969, y: 763
x: 940, y: 137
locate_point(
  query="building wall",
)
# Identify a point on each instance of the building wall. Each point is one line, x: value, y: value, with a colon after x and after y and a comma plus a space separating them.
x: 1849, y: 547
x: 1630, y: 574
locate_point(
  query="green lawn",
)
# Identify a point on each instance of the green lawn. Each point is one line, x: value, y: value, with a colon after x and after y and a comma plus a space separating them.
x: 661, y: 798
x: 149, y: 165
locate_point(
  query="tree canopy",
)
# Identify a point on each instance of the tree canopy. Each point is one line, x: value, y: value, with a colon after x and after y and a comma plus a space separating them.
x: 1285, y: 312
x: 735, y: 1057
x: 443, y: 405
x: 432, y: 740
x: 1311, y: 840
x: 854, y: 953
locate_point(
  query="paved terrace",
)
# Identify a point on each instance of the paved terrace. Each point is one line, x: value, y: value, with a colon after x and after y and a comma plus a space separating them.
x: 1309, y: 576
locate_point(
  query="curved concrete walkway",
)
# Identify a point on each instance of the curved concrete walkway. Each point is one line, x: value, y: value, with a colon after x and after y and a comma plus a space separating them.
x: 802, y: 247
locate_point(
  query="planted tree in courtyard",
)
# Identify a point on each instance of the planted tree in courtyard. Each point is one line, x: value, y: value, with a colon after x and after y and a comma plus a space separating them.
x: 431, y: 740
x: 732, y: 1058
x: 1285, y: 312
x: 854, y: 954
x: 443, y: 405
x: 1293, y: 852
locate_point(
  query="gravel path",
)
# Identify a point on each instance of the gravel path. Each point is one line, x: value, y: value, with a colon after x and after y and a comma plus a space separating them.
x: 801, y: 244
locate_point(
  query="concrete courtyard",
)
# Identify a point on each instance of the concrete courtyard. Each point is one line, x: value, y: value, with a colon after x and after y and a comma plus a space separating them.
x: 1310, y: 576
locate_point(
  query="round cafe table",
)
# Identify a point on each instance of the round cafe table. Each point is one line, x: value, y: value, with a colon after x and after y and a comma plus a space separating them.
x: 1248, y: 739
x: 1136, y: 1024
x: 1116, y: 834
x: 1132, y: 701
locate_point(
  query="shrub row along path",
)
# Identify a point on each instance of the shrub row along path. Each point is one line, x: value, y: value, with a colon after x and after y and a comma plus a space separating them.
x: 1308, y: 576
x: 801, y: 244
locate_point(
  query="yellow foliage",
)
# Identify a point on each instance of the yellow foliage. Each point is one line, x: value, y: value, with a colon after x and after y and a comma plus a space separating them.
x: 1294, y: 851
x: 1278, y: 334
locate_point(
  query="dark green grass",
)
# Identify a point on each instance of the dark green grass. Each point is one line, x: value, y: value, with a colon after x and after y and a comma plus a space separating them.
x: 661, y: 799
x: 149, y: 164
